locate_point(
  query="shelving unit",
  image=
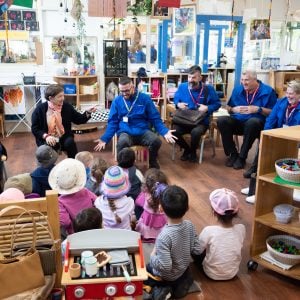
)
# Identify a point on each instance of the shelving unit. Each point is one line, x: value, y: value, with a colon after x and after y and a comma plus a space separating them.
x: 173, y: 81
x: 89, y: 97
x: 218, y: 77
x: 279, y: 80
x: 274, y: 144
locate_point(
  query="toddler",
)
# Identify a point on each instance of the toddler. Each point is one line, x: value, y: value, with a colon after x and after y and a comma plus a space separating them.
x: 117, y: 209
x: 153, y: 218
x: 126, y: 160
x: 68, y: 177
x: 221, y: 244
x: 86, y: 158
x: 170, y: 258
x: 98, y: 169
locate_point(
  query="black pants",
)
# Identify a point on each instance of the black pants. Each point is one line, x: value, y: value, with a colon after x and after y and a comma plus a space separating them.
x: 67, y: 144
x: 149, y: 139
x: 196, y: 133
x: 250, y: 130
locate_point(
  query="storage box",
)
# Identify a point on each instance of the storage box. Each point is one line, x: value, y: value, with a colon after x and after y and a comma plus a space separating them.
x: 69, y: 89
x: 88, y: 89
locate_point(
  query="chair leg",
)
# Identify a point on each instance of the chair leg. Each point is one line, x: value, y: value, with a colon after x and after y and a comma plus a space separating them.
x: 237, y: 144
x: 202, y: 140
x: 173, y: 151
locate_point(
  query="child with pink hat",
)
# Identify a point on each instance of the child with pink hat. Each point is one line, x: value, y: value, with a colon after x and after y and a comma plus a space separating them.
x: 117, y: 209
x: 222, y: 243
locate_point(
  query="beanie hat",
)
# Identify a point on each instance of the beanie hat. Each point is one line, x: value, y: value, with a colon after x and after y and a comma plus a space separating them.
x: 115, y: 183
x: 46, y: 156
x: 68, y: 176
x: 11, y: 194
x: 22, y: 182
x: 223, y: 200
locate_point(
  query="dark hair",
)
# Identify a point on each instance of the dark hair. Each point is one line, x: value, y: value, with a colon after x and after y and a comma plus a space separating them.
x: 227, y: 218
x: 98, y: 169
x: 52, y: 90
x: 152, y: 176
x: 156, y: 194
x: 126, y: 158
x: 124, y: 80
x: 175, y: 202
x: 195, y: 69
x: 86, y: 219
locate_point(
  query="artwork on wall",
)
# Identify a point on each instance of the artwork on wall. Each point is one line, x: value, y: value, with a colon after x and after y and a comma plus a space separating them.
x: 184, y: 20
x: 260, y: 29
x: 159, y: 12
x: 16, y: 25
x: 32, y: 26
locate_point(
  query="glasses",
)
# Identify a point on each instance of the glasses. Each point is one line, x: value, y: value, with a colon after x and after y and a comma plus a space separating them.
x: 125, y: 91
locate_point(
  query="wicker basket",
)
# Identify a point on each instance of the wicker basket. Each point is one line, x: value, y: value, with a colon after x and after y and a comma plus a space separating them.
x: 88, y: 89
x: 289, y: 259
x: 292, y: 176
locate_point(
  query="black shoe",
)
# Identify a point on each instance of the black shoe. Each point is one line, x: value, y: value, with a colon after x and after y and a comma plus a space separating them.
x: 239, y: 164
x: 231, y: 160
x: 161, y: 292
x: 154, y: 164
x: 252, y: 169
x: 193, y: 158
x: 186, y: 155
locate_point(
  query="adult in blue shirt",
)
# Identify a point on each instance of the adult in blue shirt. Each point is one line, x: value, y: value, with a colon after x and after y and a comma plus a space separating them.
x: 249, y: 105
x: 194, y: 95
x: 131, y: 117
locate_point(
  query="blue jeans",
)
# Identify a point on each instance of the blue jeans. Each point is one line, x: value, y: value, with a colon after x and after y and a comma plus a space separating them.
x: 149, y: 139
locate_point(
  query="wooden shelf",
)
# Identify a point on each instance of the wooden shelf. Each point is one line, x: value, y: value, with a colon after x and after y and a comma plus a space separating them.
x: 294, y: 272
x: 291, y: 228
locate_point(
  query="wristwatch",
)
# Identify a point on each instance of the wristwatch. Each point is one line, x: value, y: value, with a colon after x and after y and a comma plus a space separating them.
x: 259, y: 111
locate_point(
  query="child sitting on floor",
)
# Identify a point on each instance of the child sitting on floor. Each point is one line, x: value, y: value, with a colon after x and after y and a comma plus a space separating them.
x: 153, y: 219
x: 97, y: 172
x: 169, y: 261
x: 221, y: 244
x: 117, y: 209
x: 86, y: 158
x: 68, y: 178
x: 126, y: 160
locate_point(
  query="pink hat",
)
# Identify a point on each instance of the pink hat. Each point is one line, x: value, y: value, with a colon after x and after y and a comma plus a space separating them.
x: 223, y: 200
x: 11, y: 194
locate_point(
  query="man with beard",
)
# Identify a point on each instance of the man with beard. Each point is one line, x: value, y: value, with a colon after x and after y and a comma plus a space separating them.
x: 194, y: 95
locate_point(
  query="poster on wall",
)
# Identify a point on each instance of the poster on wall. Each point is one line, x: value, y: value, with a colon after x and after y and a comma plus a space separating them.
x: 160, y: 12
x: 260, y: 29
x: 184, y: 20
x: 14, y: 102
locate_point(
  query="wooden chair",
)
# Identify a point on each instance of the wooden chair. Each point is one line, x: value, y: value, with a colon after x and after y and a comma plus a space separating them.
x: 141, y: 152
x: 2, y: 124
x: 48, y: 206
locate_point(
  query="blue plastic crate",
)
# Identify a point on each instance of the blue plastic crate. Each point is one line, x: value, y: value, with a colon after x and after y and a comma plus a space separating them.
x: 69, y: 89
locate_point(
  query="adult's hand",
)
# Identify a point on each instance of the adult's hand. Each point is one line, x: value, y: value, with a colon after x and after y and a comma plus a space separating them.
x: 93, y: 109
x: 182, y: 105
x: 169, y: 137
x: 51, y: 140
x: 100, y: 145
x: 203, y: 108
x: 241, y: 110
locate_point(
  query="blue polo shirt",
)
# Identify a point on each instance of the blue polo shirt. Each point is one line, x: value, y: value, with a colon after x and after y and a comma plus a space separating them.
x: 264, y: 97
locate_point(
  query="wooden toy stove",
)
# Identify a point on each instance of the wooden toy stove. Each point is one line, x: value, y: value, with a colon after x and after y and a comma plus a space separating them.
x: 110, y: 281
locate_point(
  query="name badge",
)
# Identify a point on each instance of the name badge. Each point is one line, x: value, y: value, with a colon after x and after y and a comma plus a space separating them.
x: 125, y: 119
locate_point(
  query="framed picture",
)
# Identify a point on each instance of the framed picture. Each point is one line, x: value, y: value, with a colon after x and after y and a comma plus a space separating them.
x: 159, y: 12
x: 2, y: 25
x: 17, y: 25
x: 184, y: 20
x: 32, y: 26
x: 260, y: 29
x: 14, y: 15
x: 29, y: 15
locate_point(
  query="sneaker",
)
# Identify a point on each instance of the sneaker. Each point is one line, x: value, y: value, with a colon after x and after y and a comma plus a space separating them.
x: 250, y: 199
x: 245, y: 191
x: 193, y: 158
x: 154, y: 164
x: 186, y: 155
x: 239, y: 163
x: 252, y: 169
x: 231, y: 159
x: 161, y: 292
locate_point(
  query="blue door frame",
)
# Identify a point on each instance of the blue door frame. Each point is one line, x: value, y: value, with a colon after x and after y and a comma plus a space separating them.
x: 204, y: 20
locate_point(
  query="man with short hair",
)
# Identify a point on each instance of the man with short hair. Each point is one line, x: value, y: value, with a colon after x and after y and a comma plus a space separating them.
x: 131, y: 117
x: 249, y: 105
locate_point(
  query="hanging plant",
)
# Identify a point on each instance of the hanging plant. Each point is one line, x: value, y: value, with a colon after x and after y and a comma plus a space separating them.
x: 140, y: 8
x: 76, y: 13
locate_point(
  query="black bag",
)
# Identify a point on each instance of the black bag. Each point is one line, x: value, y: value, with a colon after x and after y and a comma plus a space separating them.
x: 29, y: 79
x: 188, y: 117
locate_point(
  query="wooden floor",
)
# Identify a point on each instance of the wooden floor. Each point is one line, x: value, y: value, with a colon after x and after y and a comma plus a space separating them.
x: 198, y: 181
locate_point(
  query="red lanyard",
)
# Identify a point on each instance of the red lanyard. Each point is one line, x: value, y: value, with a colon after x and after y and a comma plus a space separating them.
x: 199, y: 96
x: 289, y: 112
x: 253, y: 96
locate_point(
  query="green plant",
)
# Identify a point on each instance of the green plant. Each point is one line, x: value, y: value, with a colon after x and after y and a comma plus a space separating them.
x: 140, y: 8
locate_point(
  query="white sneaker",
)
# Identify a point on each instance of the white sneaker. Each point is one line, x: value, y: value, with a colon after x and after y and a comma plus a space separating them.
x: 296, y: 195
x: 245, y: 191
x: 250, y: 199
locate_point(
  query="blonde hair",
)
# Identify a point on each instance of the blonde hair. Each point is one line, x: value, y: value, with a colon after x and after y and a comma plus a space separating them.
x: 98, y: 169
x: 85, y: 157
x: 295, y: 86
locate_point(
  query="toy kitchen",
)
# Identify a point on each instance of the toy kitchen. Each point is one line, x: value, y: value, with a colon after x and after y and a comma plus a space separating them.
x: 104, y: 264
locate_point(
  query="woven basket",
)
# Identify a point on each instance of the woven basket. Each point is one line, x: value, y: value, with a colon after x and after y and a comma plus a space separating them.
x: 289, y: 259
x: 292, y: 176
